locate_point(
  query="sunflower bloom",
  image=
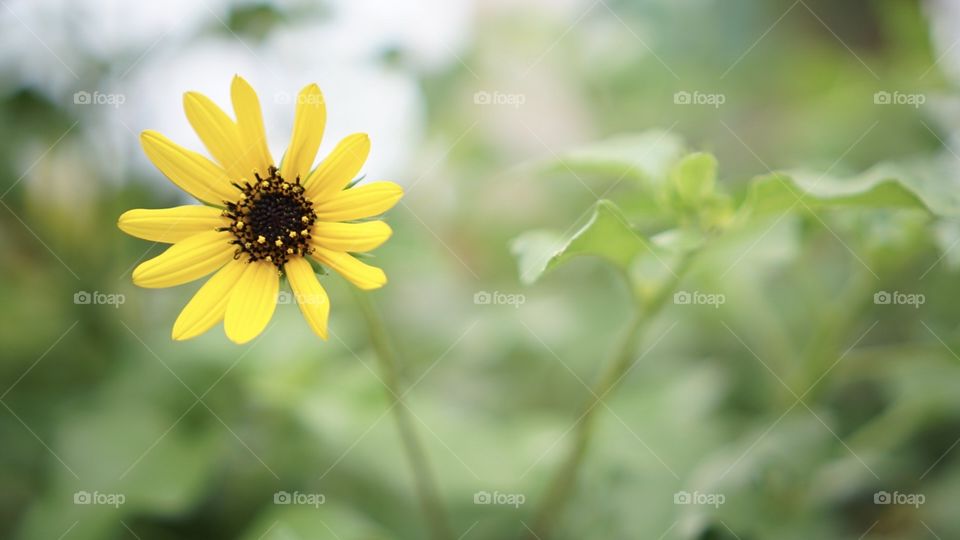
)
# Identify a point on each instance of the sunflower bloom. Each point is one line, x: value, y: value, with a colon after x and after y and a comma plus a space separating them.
x: 260, y: 221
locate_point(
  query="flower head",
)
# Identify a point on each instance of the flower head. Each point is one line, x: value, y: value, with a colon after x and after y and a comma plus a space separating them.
x: 261, y: 221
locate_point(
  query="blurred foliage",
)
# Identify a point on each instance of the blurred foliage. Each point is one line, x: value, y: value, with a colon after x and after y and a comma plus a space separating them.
x: 798, y: 201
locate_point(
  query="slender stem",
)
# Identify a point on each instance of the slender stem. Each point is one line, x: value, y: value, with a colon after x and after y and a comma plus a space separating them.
x: 561, y: 485
x: 426, y: 486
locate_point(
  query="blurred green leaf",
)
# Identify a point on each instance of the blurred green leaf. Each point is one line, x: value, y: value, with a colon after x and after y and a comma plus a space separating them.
x: 606, y: 235
x: 694, y: 177
x: 880, y: 187
x: 645, y: 156
x: 326, y: 520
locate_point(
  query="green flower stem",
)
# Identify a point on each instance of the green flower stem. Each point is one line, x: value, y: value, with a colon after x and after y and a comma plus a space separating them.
x: 560, y: 487
x: 424, y: 480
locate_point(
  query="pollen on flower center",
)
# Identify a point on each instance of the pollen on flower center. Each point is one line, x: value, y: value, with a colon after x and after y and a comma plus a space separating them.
x: 272, y: 219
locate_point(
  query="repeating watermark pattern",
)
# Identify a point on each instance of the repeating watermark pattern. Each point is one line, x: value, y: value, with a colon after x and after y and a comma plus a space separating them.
x: 97, y: 498
x: 497, y: 298
x: 899, y: 98
x: 699, y: 98
x: 503, y: 499
x: 484, y: 97
x: 897, y: 298
x: 97, y: 298
x: 698, y: 498
x: 909, y: 499
x: 697, y: 298
x: 98, y: 98
x: 286, y: 98
x: 298, y: 498
x: 284, y: 297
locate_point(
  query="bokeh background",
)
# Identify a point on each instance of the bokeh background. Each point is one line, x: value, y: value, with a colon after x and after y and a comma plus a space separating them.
x: 474, y: 107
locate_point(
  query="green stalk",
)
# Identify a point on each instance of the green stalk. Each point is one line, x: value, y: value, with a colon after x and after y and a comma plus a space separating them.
x: 560, y: 487
x: 424, y: 480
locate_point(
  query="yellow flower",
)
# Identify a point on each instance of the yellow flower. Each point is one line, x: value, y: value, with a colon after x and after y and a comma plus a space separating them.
x: 260, y: 221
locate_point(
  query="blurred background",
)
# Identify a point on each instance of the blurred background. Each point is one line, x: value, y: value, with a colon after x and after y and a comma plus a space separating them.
x: 802, y: 407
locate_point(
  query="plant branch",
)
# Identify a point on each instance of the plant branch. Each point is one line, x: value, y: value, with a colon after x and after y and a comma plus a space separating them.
x: 425, y: 482
x: 561, y: 485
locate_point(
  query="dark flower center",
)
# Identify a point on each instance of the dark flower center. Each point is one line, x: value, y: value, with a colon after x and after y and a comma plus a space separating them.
x: 272, y: 219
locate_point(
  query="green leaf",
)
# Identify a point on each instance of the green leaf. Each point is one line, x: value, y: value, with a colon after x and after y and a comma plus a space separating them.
x: 327, y: 520
x: 534, y: 250
x: 606, y: 234
x: 644, y: 156
x: 694, y: 177
x: 881, y: 187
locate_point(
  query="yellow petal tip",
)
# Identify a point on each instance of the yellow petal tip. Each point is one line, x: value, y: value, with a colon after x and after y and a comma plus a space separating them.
x: 121, y: 220
x: 375, y: 284
x: 240, y: 340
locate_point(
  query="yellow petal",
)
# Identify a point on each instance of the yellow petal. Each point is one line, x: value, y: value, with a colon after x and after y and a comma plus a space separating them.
x: 354, y: 237
x: 190, y: 171
x: 359, y: 202
x: 360, y: 274
x: 252, y: 302
x: 185, y: 261
x: 170, y: 225
x: 208, y: 306
x: 339, y: 168
x: 312, y: 299
x: 218, y: 132
x: 308, y: 124
x: 246, y: 106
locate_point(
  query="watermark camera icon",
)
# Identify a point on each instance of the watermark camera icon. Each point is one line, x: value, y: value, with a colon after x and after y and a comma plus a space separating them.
x: 682, y: 497
x: 82, y: 98
x: 482, y: 298
x: 682, y: 298
x: 282, y: 497
x: 482, y: 97
x: 882, y: 98
x: 482, y: 497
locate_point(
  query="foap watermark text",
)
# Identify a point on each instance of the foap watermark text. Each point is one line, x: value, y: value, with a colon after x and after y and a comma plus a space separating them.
x: 484, y: 97
x: 97, y: 298
x: 897, y: 298
x: 699, y: 98
x: 497, y: 298
x: 299, y: 498
x: 697, y: 298
x: 908, y: 499
x: 498, y: 498
x: 98, y: 98
x: 699, y: 498
x: 899, y: 98
x: 98, y: 498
